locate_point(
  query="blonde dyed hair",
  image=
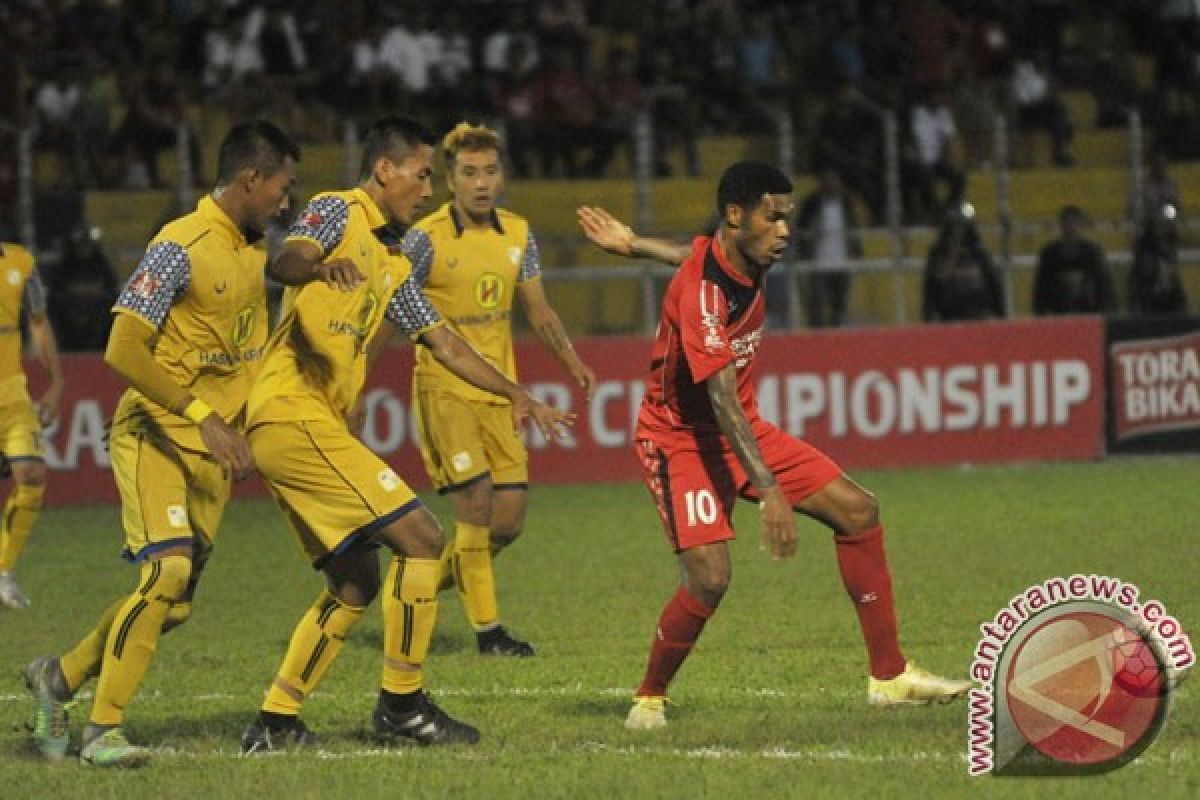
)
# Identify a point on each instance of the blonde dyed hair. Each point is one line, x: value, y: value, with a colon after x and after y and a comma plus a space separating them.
x: 468, y: 137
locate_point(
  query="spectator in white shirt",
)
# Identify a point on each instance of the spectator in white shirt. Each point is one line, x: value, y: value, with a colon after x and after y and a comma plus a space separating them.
x: 932, y: 156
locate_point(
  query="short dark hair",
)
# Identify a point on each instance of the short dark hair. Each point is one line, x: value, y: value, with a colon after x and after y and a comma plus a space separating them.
x: 257, y: 144
x: 394, y: 137
x: 744, y: 184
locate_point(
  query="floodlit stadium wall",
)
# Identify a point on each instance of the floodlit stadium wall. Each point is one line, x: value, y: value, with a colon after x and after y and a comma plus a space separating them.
x: 1060, y: 389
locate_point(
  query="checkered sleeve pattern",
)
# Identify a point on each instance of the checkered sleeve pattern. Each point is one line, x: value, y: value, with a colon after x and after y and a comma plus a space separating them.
x: 531, y: 263
x: 323, y: 220
x: 419, y: 248
x: 410, y: 311
x: 161, y: 278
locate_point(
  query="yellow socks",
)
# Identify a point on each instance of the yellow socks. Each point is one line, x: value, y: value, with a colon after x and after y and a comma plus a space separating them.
x: 473, y: 574
x: 20, y: 513
x: 133, y: 636
x: 409, y: 613
x: 315, y: 644
x: 84, y: 661
x: 445, y: 578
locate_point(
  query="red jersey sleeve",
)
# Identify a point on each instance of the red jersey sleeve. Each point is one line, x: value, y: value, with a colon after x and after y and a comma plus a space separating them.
x: 703, y: 314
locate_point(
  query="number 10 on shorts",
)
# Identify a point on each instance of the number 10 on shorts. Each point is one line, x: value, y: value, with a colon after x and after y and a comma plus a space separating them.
x: 700, y: 506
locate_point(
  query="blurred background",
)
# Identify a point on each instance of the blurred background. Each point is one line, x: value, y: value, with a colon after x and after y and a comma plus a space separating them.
x: 950, y: 157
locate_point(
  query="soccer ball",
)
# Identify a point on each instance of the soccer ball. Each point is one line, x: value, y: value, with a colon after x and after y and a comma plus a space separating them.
x: 1135, y: 666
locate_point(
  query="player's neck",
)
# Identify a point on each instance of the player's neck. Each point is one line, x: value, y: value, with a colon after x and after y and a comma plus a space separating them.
x: 472, y: 220
x: 733, y: 255
x: 227, y: 201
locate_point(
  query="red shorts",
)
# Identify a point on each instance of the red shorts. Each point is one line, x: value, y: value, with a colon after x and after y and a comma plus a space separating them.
x: 695, y: 479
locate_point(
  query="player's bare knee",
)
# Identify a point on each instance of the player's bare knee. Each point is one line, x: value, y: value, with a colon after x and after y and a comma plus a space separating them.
x: 473, y: 504
x: 860, y: 513
x: 708, y: 580
x: 417, y: 535
x: 504, y: 534
x: 357, y: 594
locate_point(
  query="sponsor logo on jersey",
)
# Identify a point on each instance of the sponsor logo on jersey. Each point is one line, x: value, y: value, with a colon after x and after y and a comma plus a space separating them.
x: 489, y: 289
x: 145, y: 285
x: 177, y: 516
x: 243, y: 326
x: 388, y: 480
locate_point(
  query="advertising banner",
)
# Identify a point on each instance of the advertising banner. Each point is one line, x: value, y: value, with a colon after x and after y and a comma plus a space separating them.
x: 884, y: 397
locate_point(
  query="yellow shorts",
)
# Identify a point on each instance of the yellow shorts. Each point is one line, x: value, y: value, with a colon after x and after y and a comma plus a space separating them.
x: 170, y: 497
x: 20, y: 430
x: 463, y: 440
x: 333, y: 490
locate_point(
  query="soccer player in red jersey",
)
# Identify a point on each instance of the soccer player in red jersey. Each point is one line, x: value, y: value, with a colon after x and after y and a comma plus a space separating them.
x: 702, y: 444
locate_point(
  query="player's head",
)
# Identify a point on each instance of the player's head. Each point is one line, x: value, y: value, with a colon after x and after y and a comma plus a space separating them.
x: 474, y: 167
x: 256, y: 163
x: 397, y: 166
x: 754, y: 204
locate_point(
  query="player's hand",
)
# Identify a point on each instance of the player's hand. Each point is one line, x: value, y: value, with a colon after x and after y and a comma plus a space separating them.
x: 50, y: 404
x: 778, y: 524
x: 552, y: 422
x: 227, y: 446
x: 339, y: 273
x: 585, y: 378
x: 606, y: 231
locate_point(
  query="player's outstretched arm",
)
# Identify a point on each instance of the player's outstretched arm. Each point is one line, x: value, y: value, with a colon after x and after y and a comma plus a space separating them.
x: 463, y: 360
x: 778, y: 522
x: 549, y: 328
x: 130, y: 353
x: 613, y: 236
x: 301, y: 261
x: 46, y: 346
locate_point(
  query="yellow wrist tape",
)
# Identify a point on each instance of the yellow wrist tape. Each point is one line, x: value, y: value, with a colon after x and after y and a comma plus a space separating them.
x: 197, y: 411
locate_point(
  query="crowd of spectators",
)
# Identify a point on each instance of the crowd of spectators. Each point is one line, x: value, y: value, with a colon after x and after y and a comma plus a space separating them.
x: 108, y: 85
x: 569, y: 76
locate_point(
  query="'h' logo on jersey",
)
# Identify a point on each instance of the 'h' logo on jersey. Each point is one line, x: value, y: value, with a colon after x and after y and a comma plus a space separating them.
x: 243, y: 326
x: 488, y: 289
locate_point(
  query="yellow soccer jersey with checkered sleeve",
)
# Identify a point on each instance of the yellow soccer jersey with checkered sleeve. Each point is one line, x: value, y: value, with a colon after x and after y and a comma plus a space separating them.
x: 20, y: 287
x: 200, y: 285
x: 470, y: 276
x: 316, y: 360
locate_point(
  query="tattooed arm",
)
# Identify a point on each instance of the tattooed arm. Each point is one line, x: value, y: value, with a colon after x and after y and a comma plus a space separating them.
x: 549, y: 328
x: 778, y: 523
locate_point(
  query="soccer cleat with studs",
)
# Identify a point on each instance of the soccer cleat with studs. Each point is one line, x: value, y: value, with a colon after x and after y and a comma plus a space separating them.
x: 112, y: 749
x: 262, y: 737
x: 11, y: 594
x: 499, y: 642
x: 51, y: 733
x: 426, y: 724
x: 647, y: 714
x: 914, y: 687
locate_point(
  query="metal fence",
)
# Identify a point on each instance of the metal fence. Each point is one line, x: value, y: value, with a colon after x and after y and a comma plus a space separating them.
x: 899, y: 264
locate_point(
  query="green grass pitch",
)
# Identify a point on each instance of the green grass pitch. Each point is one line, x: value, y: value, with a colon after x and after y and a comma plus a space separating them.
x: 771, y: 704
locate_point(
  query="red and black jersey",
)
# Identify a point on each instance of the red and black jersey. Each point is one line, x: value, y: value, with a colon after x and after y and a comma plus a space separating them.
x: 711, y: 316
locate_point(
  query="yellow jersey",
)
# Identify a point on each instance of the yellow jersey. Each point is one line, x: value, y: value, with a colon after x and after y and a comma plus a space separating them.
x: 470, y: 276
x: 315, y: 364
x: 200, y: 285
x: 20, y: 287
